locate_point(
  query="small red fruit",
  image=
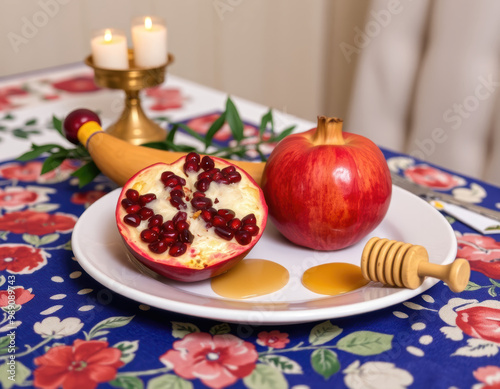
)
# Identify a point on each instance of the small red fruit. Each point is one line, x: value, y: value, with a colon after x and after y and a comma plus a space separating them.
x: 326, y: 189
x: 171, y: 236
x: 75, y: 120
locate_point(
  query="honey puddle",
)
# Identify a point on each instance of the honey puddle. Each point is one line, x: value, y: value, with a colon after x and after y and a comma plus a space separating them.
x: 251, y: 278
x: 333, y: 278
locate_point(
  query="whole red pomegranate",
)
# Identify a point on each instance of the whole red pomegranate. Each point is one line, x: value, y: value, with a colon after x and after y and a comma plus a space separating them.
x: 75, y: 120
x: 326, y: 189
x: 193, y: 219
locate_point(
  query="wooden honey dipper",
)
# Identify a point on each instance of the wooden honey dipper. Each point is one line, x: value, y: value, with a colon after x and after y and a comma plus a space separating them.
x: 405, y: 265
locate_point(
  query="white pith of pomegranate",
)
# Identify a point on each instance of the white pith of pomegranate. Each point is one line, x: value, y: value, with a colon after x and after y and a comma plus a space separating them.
x: 193, y: 219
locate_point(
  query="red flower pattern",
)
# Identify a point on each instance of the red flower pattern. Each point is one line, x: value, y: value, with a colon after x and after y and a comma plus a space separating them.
x: 16, y: 198
x: 165, y: 98
x: 31, y: 171
x: 489, y: 375
x: 78, y: 84
x: 87, y: 198
x: 21, y: 296
x: 21, y: 259
x: 482, y: 252
x: 6, y: 94
x: 36, y: 223
x: 480, y: 322
x: 202, y: 124
x: 85, y: 364
x: 274, y: 339
x: 431, y: 177
x: 218, y: 361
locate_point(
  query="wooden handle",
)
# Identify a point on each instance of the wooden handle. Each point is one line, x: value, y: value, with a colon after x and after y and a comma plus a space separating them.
x: 120, y: 160
x: 456, y: 274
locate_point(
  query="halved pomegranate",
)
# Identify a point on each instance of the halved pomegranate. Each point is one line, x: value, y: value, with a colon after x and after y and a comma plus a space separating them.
x: 192, y: 219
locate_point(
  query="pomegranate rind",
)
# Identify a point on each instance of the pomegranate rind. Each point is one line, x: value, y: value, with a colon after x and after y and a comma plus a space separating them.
x: 195, y: 264
x: 326, y: 197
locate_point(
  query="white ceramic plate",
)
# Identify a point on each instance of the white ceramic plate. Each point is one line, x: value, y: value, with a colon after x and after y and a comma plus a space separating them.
x: 99, y: 249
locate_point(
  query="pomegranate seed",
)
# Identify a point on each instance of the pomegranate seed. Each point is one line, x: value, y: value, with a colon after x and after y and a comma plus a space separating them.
x: 224, y: 233
x: 181, y: 225
x: 158, y: 247
x: 218, y: 221
x: 155, y: 221
x: 133, y: 208
x: 251, y: 228
x: 249, y: 219
x: 203, y: 175
x: 155, y: 229
x: 168, y: 226
x: 243, y: 237
x: 186, y: 236
x: 207, y: 215
x: 182, y: 181
x: 193, y: 157
x: 177, y: 249
x: 166, y: 175
x: 132, y: 219
x: 234, y: 177
x: 132, y: 195
x: 217, y: 176
x: 177, y: 192
x: 229, y: 169
x: 201, y: 202
x: 147, y: 198
x: 207, y: 163
x: 199, y: 194
x: 178, y: 187
x: 169, y: 237
x: 234, y: 224
x: 191, y: 167
x: 227, y: 214
x: 202, y: 185
x: 126, y: 203
x: 145, y: 213
x: 149, y: 236
x: 223, y: 181
x: 179, y: 216
x: 178, y: 202
x: 172, y: 181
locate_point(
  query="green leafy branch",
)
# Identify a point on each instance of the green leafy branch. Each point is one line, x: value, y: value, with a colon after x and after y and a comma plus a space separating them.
x: 88, y: 171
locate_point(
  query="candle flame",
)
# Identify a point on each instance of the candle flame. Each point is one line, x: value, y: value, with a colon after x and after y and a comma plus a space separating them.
x: 148, y: 23
x: 108, y: 36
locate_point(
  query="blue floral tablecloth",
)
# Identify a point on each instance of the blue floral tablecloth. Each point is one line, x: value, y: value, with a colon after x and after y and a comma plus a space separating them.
x: 61, y: 328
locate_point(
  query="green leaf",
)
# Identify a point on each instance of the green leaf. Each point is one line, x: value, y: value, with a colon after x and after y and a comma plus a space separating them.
x: 157, y: 145
x: 171, y: 133
x: 234, y: 120
x: 30, y: 122
x: 219, y: 329
x: 161, y: 118
x: 57, y: 123
x: 325, y: 362
x: 180, y: 330
x: 497, y: 284
x: 4, y: 234
x: 54, y: 160
x: 491, y: 291
x: 323, y: 333
x: 283, y: 364
x: 191, y: 132
x: 20, y: 133
x: 9, y: 116
x: 472, y: 286
x: 111, y: 322
x: 86, y: 173
x: 33, y: 240
x: 264, y: 121
x: 365, y: 343
x: 214, y: 128
x: 4, y: 343
x: 36, y: 151
x: 49, y: 239
x: 127, y: 382
x: 128, y: 350
x: 283, y: 134
x: 169, y: 381
x: 265, y: 377
x: 21, y: 372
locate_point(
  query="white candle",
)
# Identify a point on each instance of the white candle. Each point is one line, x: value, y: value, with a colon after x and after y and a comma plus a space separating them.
x: 109, y: 49
x: 149, y: 37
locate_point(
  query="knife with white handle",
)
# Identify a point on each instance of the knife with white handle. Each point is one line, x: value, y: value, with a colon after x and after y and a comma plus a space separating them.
x: 429, y: 194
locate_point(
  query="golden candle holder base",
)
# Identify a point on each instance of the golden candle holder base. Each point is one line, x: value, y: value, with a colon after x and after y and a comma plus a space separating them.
x: 133, y: 125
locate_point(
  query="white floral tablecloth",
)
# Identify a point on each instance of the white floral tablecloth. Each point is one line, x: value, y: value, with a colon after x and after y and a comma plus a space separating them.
x: 61, y: 328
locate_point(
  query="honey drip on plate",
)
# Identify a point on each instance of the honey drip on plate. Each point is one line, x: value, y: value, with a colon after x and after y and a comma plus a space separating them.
x: 251, y: 278
x: 333, y: 278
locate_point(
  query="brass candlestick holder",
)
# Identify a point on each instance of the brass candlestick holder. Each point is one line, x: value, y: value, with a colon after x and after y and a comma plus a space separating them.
x: 133, y: 125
